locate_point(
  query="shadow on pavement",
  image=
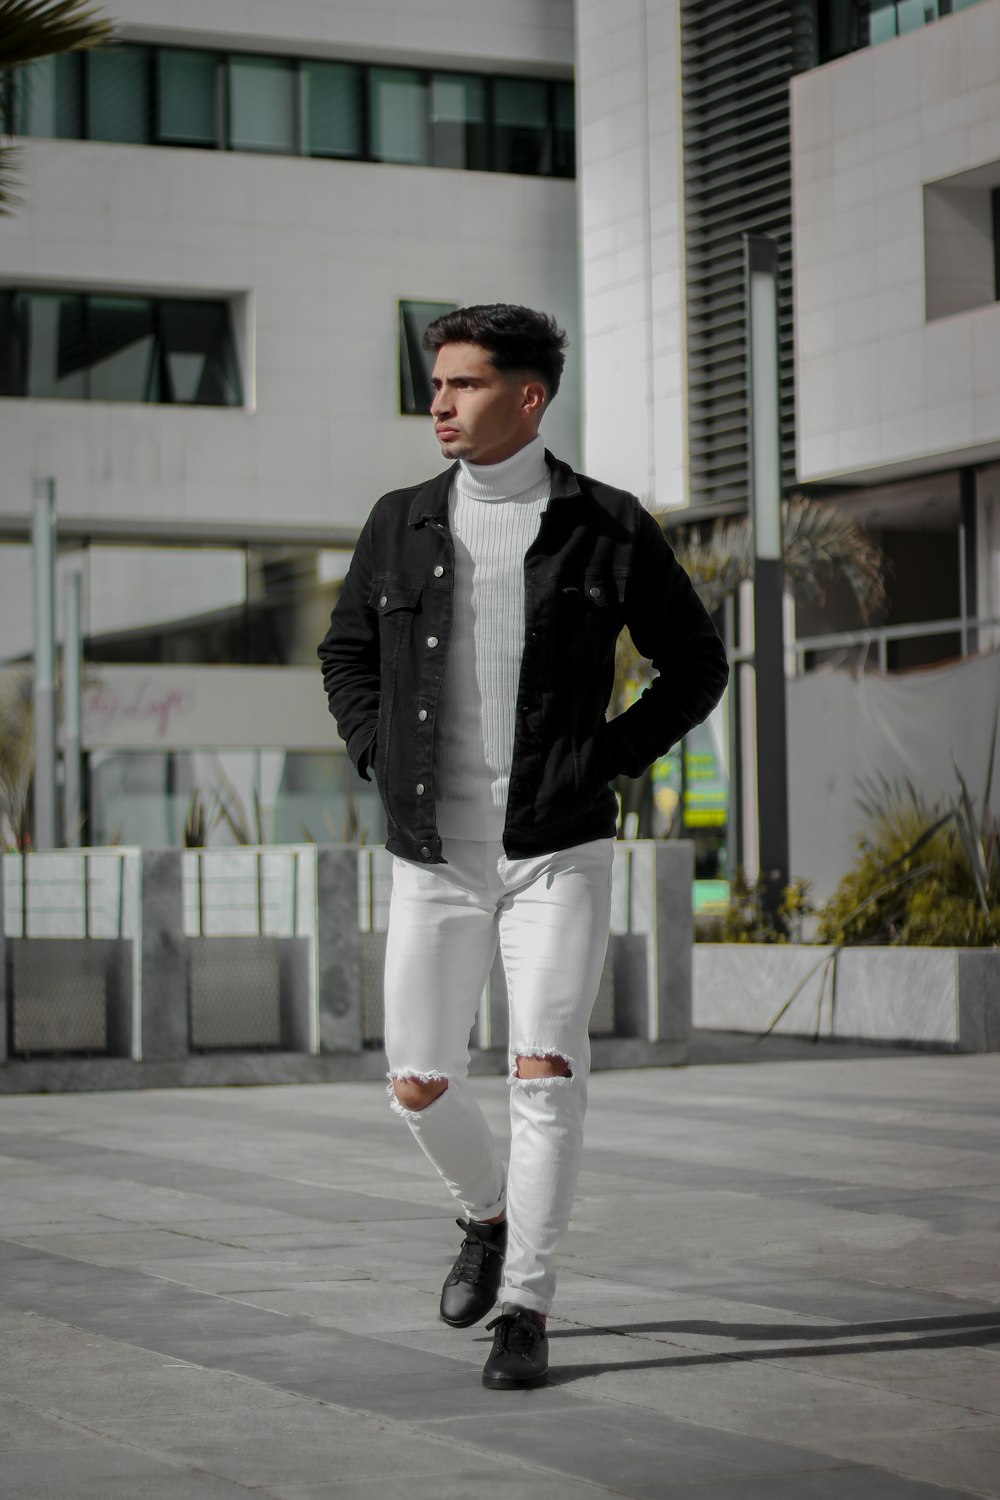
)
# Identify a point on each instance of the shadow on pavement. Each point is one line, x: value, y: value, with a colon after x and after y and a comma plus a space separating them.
x: 962, y: 1330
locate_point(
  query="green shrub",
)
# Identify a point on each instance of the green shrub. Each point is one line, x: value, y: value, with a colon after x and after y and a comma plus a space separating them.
x: 746, y: 921
x: 926, y: 875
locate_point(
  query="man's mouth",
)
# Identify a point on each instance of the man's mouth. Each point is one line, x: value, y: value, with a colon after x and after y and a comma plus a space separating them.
x: 446, y: 432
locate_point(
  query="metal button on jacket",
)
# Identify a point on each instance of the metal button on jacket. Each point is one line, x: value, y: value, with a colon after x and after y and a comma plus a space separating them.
x: 425, y: 852
x: 384, y: 600
x: 432, y: 640
x: 422, y: 715
x: 596, y: 592
x: 420, y: 789
x: 439, y: 571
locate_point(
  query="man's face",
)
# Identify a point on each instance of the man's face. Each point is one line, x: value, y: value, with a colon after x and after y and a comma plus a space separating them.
x: 480, y: 413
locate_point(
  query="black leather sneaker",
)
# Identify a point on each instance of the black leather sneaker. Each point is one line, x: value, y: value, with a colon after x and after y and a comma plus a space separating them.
x: 471, y: 1286
x: 520, y: 1355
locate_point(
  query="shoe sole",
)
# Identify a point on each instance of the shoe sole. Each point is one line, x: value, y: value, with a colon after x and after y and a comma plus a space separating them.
x: 508, y: 1383
x: 466, y: 1322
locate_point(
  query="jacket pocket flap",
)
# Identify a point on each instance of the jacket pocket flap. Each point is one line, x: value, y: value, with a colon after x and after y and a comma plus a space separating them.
x: 388, y: 595
x: 602, y: 587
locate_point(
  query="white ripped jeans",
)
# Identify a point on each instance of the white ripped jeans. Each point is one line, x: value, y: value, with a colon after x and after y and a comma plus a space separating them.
x: 551, y: 916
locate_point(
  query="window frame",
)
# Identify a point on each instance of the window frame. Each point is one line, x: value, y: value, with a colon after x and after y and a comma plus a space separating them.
x: 223, y: 58
x: 159, y: 368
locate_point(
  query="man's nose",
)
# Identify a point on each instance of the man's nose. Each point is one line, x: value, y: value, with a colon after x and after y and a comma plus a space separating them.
x: 441, y: 404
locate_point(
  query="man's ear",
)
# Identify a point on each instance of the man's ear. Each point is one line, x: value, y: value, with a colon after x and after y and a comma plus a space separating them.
x: 534, y: 398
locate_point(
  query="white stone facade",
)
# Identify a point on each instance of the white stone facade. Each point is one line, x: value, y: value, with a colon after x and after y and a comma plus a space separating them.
x: 313, y: 255
x: 895, y: 152
x: 632, y: 246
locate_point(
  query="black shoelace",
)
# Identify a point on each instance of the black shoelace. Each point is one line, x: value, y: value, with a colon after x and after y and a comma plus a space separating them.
x: 528, y: 1334
x: 472, y: 1254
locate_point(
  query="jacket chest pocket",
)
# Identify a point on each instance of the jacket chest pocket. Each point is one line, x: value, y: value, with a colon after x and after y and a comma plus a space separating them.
x: 397, y: 604
x: 591, y: 608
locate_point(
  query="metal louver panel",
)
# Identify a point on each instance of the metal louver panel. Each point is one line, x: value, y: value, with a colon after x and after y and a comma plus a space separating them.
x: 737, y: 59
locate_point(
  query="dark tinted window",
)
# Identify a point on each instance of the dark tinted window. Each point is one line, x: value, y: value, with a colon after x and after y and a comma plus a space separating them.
x: 415, y: 364
x: 109, y: 348
x: 119, y: 94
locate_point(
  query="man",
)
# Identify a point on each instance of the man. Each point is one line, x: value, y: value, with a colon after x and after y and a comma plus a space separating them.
x: 469, y: 664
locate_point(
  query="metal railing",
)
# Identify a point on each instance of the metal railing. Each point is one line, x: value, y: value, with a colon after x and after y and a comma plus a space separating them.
x: 881, y: 636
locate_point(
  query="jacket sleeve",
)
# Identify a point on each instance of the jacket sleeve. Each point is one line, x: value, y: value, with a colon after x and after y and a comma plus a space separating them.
x: 669, y: 625
x: 350, y: 654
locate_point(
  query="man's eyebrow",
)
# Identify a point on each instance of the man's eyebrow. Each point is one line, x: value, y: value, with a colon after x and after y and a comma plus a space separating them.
x: 436, y: 380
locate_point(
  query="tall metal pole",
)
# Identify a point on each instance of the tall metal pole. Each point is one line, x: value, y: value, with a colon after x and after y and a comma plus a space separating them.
x: 72, y: 669
x: 761, y: 265
x: 43, y: 538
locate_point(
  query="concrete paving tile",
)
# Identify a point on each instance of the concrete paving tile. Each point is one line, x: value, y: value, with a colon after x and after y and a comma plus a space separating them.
x: 500, y: 1482
x: 81, y: 1470
x: 965, y: 1378
x: 968, y: 1458
x: 368, y: 1308
x: 248, y: 1272
x: 823, y: 1484
x: 845, y: 1300
x: 751, y: 1397
x: 633, y: 1451
x: 788, y: 1220
x: 22, y: 1427
x: 76, y: 1482
x: 113, y: 1245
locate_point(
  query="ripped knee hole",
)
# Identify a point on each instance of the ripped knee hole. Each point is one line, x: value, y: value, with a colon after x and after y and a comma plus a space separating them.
x: 415, y: 1091
x: 542, y: 1065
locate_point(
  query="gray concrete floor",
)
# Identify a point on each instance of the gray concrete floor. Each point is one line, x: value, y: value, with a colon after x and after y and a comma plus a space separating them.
x: 782, y: 1282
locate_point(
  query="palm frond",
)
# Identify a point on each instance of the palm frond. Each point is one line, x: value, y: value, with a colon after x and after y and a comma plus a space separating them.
x: 9, y: 199
x: 31, y: 29
x: 820, y: 543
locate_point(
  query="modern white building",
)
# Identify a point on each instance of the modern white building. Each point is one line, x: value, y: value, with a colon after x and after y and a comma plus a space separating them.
x: 233, y: 228
x: 231, y: 231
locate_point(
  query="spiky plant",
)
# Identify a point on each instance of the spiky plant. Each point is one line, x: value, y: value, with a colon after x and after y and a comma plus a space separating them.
x: 928, y: 872
x: 17, y: 759
x: 29, y: 30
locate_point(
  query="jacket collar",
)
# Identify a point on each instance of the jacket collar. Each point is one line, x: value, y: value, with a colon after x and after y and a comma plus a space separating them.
x: 430, y: 503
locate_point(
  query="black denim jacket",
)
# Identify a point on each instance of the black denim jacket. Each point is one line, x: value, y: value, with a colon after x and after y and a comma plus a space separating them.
x: 599, y: 562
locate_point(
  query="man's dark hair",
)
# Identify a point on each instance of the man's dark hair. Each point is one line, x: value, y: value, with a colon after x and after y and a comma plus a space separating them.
x: 515, y: 338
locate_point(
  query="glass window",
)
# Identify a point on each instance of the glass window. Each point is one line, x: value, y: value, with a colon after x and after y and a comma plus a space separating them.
x: 119, y: 349
x: 261, y: 104
x: 199, y: 354
x: 912, y: 14
x: 187, y: 97
x: 119, y: 94
x: 333, y: 109
x: 458, y: 121
x: 883, y: 24
x: 180, y: 96
x: 399, y: 115
x: 55, y: 339
x: 564, y: 135
x: 13, y: 345
x: 522, y: 139
x: 415, y: 363
x: 49, y: 97
x: 109, y: 348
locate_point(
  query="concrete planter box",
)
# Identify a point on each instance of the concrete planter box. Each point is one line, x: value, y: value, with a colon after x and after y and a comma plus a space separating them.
x: 935, y: 997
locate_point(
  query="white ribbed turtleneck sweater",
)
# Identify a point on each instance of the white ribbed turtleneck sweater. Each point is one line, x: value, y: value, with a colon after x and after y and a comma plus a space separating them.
x: 494, y: 510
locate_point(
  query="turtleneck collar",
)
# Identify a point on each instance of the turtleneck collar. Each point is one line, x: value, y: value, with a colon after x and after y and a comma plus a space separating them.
x: 524, y: 470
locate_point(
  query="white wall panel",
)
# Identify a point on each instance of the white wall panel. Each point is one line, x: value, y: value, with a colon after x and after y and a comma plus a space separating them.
x: 528, y: 33
x: 631, y: 217
x: 322, y: 250
x: 883, y: 388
